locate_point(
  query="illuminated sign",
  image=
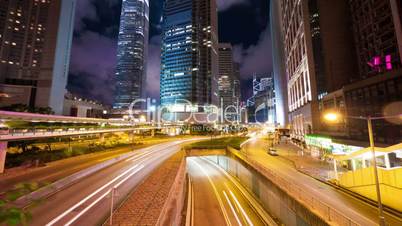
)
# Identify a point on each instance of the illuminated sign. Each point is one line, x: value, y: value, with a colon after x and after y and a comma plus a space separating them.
x: 327, y: 144
x: 377, y: 62
x: 319, y: 141
x: 388, y: 62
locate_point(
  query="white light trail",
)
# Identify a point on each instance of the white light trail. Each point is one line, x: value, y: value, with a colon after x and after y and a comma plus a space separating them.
x: 231, y: 207
x: 241, y: 208
x: 101, y: 197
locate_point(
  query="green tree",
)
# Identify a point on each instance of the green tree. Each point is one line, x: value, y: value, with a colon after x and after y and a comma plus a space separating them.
x: 26, y: 108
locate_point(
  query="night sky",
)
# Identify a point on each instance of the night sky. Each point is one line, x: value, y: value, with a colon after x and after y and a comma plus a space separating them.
x: 244, y: 23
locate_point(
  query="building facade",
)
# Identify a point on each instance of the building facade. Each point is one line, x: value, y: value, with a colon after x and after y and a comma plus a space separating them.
x: 35, y: 44
x: 378, y: 35
x: 189, y: 69
x: 265, y: 101
x: 261, y: 106
x: 132, y: 53
x: 377, y: 96
x: 82, y: 108
x: 237, y: 85
x: 317, y: 42
x: 280, y: 78
x: 228, y: 83
x: 378, y: 88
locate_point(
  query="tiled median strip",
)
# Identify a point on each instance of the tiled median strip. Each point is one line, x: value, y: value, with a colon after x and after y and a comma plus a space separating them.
x: 146, y: 204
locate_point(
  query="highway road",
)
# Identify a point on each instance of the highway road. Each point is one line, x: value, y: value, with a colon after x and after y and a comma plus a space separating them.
x: 59, y: 169
x: 88, y: 202
x: 362, y: 213
x: 219, y: 199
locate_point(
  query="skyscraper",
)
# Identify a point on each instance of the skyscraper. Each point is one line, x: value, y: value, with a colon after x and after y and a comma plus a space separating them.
x: 279, y: 71
x: 261, y: 106
x: 228, y: 82
x: 237, y: 84
x: 319, y: 57
x: 265, y: 103
x: 35, y: 43
x: 189, y: 54
x: 378, y: 35
x: 226, y: 76
x: 132, y: 53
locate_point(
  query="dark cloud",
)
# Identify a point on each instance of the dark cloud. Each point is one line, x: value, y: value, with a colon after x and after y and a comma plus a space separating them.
x: 85, y: 10
x: 226, y: 4
x: 94, y: 59
x: 256, y: 59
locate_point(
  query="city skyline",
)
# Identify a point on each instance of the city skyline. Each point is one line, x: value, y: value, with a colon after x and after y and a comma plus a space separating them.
x: 89, y: 34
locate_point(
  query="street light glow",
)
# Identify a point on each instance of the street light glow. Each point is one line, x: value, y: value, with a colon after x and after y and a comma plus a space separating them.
x: 331, y: 117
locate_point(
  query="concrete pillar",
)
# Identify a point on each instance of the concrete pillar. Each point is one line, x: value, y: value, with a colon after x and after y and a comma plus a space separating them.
x: 335, y: 170
x: 387, y: 163
x: 353, y: 164
x: 3, y: 153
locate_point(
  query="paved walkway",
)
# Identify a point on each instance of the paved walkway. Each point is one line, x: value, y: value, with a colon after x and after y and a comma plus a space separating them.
x: 304, y: 162
x: 144, y: 205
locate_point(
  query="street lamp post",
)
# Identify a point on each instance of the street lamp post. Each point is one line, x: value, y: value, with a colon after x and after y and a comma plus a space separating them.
x: 374, y: 163
x: 334, y: 117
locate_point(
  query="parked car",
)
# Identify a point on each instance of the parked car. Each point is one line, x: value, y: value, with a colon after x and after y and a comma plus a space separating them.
x: 272, y: 152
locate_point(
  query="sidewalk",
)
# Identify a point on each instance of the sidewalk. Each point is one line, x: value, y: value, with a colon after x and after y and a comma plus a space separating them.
x: 304, y: 162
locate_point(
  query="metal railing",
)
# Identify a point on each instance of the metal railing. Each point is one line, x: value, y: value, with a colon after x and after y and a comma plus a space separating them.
x: 18, y: 134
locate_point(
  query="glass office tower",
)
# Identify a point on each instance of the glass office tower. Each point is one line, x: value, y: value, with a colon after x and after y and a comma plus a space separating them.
x: 131, y: 53
x: 189, y: 54
x: 177, y: 54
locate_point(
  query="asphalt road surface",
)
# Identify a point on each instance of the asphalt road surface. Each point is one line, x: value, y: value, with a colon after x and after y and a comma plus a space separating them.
x: 220, y: 200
